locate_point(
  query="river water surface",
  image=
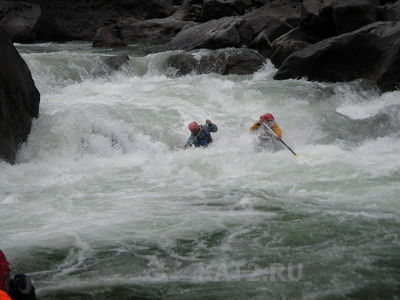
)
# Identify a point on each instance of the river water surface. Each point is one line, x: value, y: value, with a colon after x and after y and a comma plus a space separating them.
x: 104, y: 203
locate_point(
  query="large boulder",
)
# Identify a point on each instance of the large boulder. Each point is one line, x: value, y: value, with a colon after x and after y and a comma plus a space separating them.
x: 390, y: 12
x: 353, y: 14
x: 227, y: 61
x: 317, y: 18
x: 274, y: 19
x: 206, y: 10
x: 148, y: 9
x: 214, y: 34
x: 19, y: 100
x: 132, y: 30
x: 64, y: 20
x: 326, y: 18
x: 19, y: 19
x: 372, y: 52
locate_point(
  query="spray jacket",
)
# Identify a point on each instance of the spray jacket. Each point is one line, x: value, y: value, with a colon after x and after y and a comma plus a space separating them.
x: 203, y: 138
x: 274, y: 128
x: 4, y: 295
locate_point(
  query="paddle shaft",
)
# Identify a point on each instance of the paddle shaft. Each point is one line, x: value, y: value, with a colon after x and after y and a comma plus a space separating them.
x: 266, y: 126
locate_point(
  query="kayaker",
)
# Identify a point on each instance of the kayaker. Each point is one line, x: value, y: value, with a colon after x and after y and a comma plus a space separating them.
x: 266, y: 139
x: 268, y: 120
x: 200, y: 134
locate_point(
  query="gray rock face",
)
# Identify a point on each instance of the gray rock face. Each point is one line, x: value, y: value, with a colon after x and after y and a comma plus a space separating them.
x: 372, y: 52
x: 19, y: 100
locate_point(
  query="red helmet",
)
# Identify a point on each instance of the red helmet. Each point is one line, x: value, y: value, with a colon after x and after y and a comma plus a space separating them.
x: 193, y: 126
x: 267, y: 117
x: 4, y: 271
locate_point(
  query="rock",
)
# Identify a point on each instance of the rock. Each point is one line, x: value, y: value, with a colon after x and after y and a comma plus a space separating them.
x: 148, y: 9
x: 326, y: 18
x: 288, y: 43
x: 285, y: 49
x: 390, y: 12
x: 19, y: 100
x: 65, y: 20
x: 372, y: 52
x: 317, y: 18
x: 107, y: 37
x: 132, y: 30
x: 214, y: 34
x: 274, y: 19
x: 228, y: 61
x: 116, y: 62
x: 206, y: 10
x: 354, y: 14
x: 19, y: 19
x: 262, y: 44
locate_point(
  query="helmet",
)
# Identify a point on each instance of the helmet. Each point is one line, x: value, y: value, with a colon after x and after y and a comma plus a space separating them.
x: 4, y: 271
x: 267, y: 117
x: 193, y: 126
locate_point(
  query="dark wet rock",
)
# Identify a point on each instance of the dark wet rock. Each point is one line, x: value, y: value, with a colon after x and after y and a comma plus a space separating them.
x: 214, y: 34
x: 353, y: 14
x: 285, y: 49
x: 108, y: 37
x: 372, y: 52
x: 287, y: 44
x: 206, y: 10
x: 317, y: 18
x: 390, y: 12
x: 154, y: 30
x: 148, y: 9
x: 262, y: 44
x: 228, y: 61
x: 326, y: 18
x: 19, y: 19
x: 132, y: 30
x: 19, y: 100
x: 116, y: 62
x: 65, y: 20
x: 274, y: 19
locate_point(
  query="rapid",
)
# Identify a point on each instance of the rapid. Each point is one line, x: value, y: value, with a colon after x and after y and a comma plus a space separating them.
x: 105, y: 203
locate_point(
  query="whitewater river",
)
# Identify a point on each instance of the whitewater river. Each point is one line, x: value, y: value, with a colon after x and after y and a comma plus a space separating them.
x: 104, y: 203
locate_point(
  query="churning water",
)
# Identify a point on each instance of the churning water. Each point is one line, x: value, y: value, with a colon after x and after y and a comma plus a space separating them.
x: 104, y: 203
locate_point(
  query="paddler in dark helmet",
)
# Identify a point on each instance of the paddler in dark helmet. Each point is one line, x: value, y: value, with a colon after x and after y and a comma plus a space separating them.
x: 200, y: 134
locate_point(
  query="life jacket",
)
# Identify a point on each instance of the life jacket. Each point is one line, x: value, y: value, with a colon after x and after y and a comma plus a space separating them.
x: 203, y: 139
x: 4, y: 295
x: 4, y: 271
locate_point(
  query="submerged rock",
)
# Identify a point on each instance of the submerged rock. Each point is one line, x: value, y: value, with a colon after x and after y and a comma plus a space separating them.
x: 228, y: 61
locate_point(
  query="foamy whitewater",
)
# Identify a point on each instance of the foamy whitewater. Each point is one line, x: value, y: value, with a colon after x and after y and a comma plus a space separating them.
x: 105, y: 203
